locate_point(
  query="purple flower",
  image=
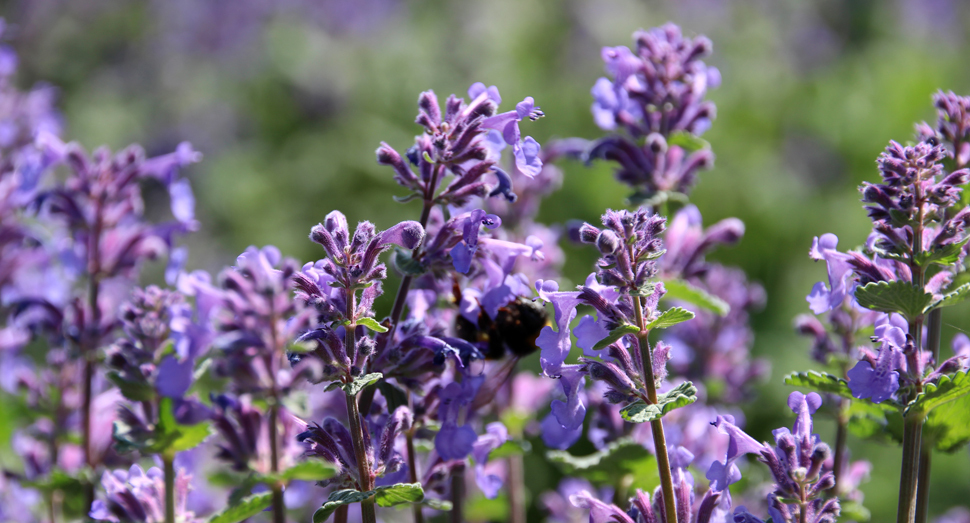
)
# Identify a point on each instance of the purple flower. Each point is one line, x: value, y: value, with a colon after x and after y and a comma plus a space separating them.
x: 526, y: 152
x: 724, y: 474
x: 878, y: 380
x: 138, y: 496
x: 495, y: 436
x: 823, y: 298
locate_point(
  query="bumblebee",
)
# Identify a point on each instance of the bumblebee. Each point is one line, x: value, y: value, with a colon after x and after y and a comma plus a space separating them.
x: 514, y: 329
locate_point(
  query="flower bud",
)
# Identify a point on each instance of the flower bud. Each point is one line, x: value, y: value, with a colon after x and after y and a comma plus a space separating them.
x: 607, y: 242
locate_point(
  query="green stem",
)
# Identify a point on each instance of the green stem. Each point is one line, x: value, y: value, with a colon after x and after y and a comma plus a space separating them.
x: 168, y: 459
x: 340, y: 515
x: 933, y: 335
x: 838, y: 465
x: 458, y: 494
x: 909, y: 475
x: 367, y: 511
x: 656, y: 426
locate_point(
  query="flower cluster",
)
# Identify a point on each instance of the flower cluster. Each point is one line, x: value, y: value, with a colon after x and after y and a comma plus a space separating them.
x: 657, y: 96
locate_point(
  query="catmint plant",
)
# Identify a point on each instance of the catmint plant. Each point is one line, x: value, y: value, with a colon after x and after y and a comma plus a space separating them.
x: 656, y: 97
x: 796, y: 462
x: 905, y: 271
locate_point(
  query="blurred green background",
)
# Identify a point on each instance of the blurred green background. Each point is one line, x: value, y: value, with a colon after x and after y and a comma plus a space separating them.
x: 289, y: 99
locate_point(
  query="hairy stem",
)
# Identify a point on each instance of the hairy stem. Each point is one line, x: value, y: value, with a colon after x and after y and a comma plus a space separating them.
x: 367, y: 511
x: 340, y: 515
x: 279, y: 508
x: 908, y: 477
x: 656, y: 426
x: 935, y: 331
x: 168, y: 459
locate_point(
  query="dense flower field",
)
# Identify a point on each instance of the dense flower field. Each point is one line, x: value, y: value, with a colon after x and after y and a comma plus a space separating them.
x: 273, y: 390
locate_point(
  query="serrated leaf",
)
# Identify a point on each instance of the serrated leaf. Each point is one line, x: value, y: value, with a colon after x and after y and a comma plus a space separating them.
x: 190, y: 436
x: 820, y: 382
x: 605, y: 466
x: 872, y: 421
x: 680, y: 396
x: 645, y: 290
x: 616, y: 334
x: 687, y: 141
x: 684, y: 291
x: 947, y: 427
x: 398, y: 494
x: 246, y: 508
x: 361, y: 382
x: 132, y: 390
x: 386, y: 496
x: 338, y: 498
x: 951, y: 298
x: 310, y: 470
x: 945, y: 390
x: 671, y: 317
x: 894, y: 296
x: 946, y: 255
x: 372, y: 324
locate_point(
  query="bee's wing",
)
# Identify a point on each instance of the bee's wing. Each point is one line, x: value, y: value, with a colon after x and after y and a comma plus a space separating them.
x: 496, y: 379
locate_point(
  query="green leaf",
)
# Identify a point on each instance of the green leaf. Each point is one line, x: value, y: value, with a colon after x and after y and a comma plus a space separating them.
x: 404, y: 199
x: 854, y: 511
x: 945, y: 390
x: 394, y: 395
x: 398, y: 494
x: 876, y: 422
x: 645, y: 290
x: 437, y: 504
x: 386, y: 496
x: 820, y: 382
x: 190, y: 436
x: 132, y: 390
x: 310, y: 470
x: 407, y: 265
x: 511, y: 447
x: 687, y: 141
x: 170, y: 435
x: 606, y: 466
x: 338, y: 498
x: 671, y: 317
x: 640, y: 412
x: 947, y: 427
x: 683, y: 291
x: 952, y: 298
x: 894, y: 296
x: 946, y: 255
x: 616, y: 334
x: 371, y: 324
x: 361, y: 382
x: 246, y: 508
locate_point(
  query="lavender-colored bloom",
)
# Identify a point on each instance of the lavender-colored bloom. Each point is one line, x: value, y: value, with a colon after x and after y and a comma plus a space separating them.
x: 657, y: 90
x: 877, y: 382
x: 138, y: 496
x: 495, y: 436
x: 455, y: 441
x: 795, y: 462
x: 458, y: 142
x: 724, y: 474
x: 841, y: 284
x: 244, y: 435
